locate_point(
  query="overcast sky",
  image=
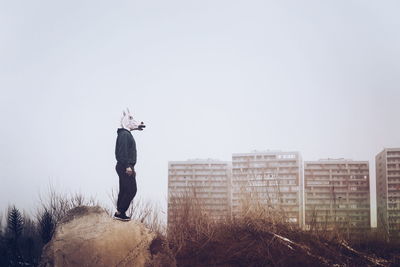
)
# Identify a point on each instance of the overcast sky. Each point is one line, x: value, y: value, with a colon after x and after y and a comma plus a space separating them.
x: 209, y: 78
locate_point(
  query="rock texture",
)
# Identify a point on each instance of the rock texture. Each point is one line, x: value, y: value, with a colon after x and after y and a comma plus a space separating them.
x: 88, y: 236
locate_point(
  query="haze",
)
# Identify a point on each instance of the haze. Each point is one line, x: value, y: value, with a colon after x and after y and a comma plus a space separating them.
x: 209, y: 78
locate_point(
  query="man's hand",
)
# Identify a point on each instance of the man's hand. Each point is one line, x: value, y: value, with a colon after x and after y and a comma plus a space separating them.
x: 129, y: 171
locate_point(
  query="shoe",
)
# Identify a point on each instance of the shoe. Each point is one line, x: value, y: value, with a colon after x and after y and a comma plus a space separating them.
x: 121, y: 217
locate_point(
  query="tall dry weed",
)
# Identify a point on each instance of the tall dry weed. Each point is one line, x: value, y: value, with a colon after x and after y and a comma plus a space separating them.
x: 258, y: 235
x: 54, y: 206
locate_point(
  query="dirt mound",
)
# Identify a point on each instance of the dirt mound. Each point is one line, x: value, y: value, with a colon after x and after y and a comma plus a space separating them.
x: 259, y: 243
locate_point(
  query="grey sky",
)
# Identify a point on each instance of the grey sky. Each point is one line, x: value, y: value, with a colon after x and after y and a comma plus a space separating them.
x: 209, y: 78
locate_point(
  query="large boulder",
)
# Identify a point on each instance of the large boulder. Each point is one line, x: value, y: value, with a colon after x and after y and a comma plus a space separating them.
x: 88, y: 236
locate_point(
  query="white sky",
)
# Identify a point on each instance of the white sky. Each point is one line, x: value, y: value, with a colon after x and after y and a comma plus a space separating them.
x: 209, y: 78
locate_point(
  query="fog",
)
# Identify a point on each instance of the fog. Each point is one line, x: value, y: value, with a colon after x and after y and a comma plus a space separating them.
x: 208, y: 78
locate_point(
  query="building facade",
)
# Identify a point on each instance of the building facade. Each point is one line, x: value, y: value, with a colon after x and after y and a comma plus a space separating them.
x: 205, y: 182
x: 272, y: 179
x: 337, y: 195
x: 388, y: 191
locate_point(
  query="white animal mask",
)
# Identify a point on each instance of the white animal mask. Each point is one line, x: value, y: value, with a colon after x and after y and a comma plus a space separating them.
x: 127, y: 121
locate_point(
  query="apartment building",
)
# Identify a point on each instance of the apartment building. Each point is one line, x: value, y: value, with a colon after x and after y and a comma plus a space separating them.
x: 388, y: 191
x: 337, y: 195
x: 272, y: 179
x: 206, y: 182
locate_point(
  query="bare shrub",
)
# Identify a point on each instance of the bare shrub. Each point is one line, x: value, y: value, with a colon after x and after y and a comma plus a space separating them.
x: 58, y: 204
x: 148, y: 213
x: 54, y: 206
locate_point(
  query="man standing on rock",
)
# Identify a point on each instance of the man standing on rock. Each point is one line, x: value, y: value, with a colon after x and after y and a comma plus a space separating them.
x: 125, y: 153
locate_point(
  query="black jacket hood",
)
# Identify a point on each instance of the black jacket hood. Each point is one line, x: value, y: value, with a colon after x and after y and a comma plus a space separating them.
x: 123, y: 129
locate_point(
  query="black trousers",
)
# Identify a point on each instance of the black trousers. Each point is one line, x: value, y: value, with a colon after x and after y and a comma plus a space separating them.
x: 127, y: 188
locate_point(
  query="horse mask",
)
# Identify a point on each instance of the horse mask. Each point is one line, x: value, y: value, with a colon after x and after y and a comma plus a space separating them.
x: 127, y: 122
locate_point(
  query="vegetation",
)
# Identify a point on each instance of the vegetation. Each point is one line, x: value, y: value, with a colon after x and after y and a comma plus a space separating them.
x: 22, y: 238
x: 261, y: 236
x: 258, y: 236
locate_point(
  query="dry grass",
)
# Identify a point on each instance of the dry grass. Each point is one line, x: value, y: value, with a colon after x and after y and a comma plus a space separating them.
x: 258, y: 236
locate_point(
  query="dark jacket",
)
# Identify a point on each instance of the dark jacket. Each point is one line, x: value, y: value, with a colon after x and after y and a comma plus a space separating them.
x: 125, y: 148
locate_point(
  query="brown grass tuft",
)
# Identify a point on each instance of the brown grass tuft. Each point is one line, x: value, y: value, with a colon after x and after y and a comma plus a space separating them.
x: 258, y: 236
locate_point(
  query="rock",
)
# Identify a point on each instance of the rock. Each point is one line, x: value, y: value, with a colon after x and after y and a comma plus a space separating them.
x: 88, y: 236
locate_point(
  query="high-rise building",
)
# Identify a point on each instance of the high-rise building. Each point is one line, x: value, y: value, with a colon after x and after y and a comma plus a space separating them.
x: 271, y: 178
x: 337, y: 195
x: 206, y: 182
x: 388, y: 191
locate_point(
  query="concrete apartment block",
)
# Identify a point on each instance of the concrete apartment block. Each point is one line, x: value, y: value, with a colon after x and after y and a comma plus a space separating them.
x: 207, y: 182
x: 271, y: 178
x: 337, y: 195
x: 388, y: 191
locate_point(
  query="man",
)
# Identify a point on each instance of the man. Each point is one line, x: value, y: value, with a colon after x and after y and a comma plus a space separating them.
x: 125, y: 153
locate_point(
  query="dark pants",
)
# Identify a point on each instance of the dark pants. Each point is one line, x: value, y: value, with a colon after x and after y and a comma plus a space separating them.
x: 127, y: 188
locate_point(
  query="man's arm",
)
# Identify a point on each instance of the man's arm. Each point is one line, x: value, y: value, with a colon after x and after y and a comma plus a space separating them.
x: 122, y: 153
x: 121, y: 150
x: 131, y: 163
